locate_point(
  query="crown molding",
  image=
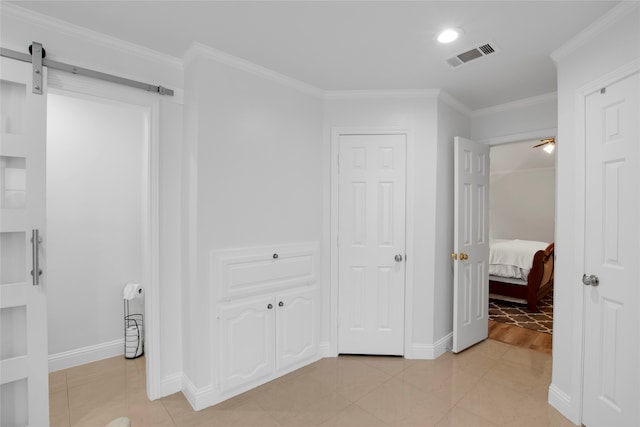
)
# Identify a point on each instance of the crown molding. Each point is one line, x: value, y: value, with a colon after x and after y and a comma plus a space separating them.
x: 198, y: 50
x: 454, y: 103
x: 399, y: 94
x: 381, y: 94
x: 520, y: 137
x: 521, y: 103
x: 618, y: 12
x: 47, y: 22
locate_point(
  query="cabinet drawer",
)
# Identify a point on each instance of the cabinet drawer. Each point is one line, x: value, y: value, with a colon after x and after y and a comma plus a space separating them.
x: 244, y: 272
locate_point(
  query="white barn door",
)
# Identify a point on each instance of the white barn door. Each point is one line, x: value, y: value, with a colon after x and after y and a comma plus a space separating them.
x: 371, y: 229
x: 612, y: 256
x: 471, y: 244
x: 24, y: 393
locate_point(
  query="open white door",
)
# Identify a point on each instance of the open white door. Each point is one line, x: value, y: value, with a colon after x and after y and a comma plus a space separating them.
x: 471, y: 244
x: 612, y: 251
x: 24, y: 379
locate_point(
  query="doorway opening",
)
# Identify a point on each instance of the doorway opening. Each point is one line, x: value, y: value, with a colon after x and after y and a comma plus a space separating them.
x: 522, y: 218
x: 97, y: 200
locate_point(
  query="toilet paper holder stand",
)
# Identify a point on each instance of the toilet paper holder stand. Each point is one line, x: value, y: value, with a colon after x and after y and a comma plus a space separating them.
x: 133, y: 333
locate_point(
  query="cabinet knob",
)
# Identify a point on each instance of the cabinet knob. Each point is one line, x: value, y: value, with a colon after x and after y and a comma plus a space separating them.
x: 281, y: 304
x: 270, y: 306
x: 275, y: 256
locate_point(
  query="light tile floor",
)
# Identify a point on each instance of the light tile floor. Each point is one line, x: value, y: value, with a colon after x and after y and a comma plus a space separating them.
x: 490, y: 384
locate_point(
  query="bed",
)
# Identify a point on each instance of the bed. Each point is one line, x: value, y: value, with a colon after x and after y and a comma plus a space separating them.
x: 520, y: 270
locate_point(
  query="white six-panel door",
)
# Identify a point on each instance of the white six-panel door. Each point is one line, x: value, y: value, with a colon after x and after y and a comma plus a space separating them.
x: 24, y: 392
x: 471, y: 244
x: 371, y: 271
x: 612, y: 255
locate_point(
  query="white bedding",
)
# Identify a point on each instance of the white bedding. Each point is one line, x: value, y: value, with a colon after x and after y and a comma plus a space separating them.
x: 513, y: 258
x: 510, y: 271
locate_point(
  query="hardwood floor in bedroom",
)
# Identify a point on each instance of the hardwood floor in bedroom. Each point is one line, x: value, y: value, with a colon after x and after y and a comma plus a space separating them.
x: 520, y: 337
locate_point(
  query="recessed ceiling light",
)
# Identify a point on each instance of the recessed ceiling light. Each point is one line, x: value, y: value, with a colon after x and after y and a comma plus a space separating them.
x: 448, y: 35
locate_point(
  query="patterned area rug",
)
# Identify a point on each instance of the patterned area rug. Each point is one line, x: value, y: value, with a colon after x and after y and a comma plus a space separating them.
x: 517, y: 314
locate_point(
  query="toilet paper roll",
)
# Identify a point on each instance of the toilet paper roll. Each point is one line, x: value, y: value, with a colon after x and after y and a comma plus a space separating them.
x: 132, y: 290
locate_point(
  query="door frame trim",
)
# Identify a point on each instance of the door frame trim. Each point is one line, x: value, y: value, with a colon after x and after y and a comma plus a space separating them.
x: 336, y: 133
x: 575, y: 409
x: 72, y: 85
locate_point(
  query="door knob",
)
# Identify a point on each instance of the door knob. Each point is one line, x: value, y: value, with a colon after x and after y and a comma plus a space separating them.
x: 398, y: 258
x: 590, y: 280
x: 463, y: 256
x: 454, y: 256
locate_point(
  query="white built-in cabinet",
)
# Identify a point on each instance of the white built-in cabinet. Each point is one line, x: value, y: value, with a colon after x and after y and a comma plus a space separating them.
x: 267, y: 313
x: 264, y: 336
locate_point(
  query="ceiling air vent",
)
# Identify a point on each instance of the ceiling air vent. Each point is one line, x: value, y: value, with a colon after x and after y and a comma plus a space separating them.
x: 470, y: 55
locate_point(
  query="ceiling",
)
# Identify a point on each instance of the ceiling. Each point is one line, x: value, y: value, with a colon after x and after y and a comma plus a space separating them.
x: 358, y: 45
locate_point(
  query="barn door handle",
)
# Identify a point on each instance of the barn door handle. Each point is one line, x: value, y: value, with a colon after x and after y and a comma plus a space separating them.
x: 35, y: 256
x: 592, y: 280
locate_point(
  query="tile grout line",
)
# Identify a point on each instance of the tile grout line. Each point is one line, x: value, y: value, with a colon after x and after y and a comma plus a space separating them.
x: 168, y: 411
x: 66, y: 389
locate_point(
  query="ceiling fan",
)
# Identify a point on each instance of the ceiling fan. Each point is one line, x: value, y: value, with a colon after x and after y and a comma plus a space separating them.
x: 548, y: 144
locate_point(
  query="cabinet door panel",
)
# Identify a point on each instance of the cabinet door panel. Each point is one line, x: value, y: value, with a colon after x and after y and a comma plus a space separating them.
x: 296, y: 328
x: 246, y: 342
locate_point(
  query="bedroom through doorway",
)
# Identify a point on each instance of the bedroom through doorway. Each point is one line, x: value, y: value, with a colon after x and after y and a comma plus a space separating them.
x: 522, y: 230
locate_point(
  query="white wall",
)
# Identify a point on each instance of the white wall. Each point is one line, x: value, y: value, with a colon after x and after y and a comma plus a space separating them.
x: 523, y: 204
x: 516, y: 121
x: 421, y: 115
x: 170, y: 245
x: 601, y: 49
x: 78, y: 46
x: 451, y: 123
x: 253, y: 171
x: 94, y: 214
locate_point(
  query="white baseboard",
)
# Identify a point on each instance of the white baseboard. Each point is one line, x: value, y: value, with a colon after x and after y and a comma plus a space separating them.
x: 84, y: 355
x: 171, y: 384
x: 199, y: 398
x: 430, y: 351
x: 324, y: 349
x: 562, y: 402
